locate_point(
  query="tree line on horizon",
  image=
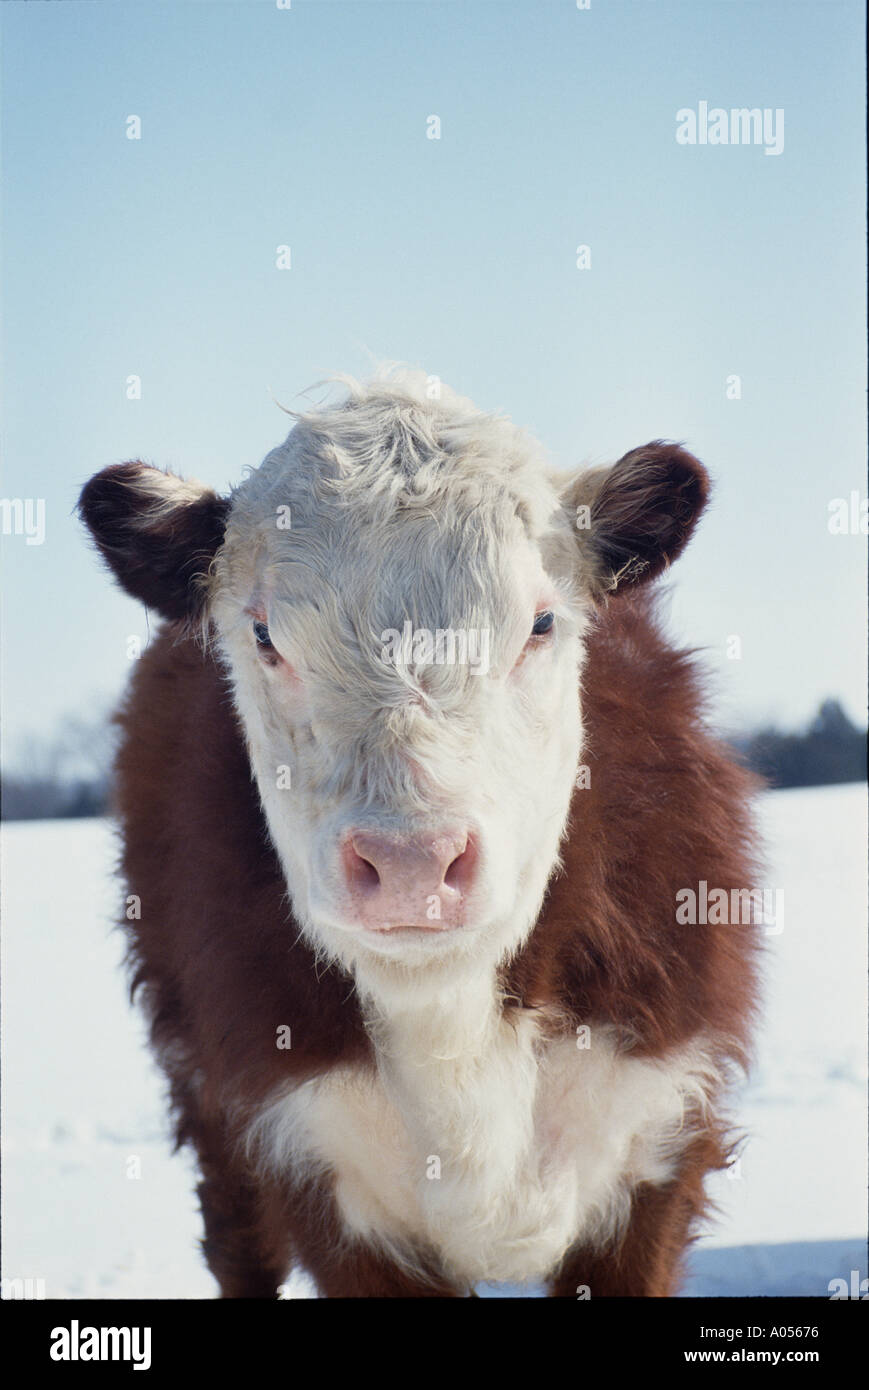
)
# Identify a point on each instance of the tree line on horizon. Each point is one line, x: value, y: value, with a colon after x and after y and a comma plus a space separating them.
x: 70, y: 777
x: 830, y: 750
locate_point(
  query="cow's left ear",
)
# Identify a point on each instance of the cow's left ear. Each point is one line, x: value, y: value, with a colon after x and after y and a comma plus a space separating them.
x: 632, y: 520
x: 157, y: 532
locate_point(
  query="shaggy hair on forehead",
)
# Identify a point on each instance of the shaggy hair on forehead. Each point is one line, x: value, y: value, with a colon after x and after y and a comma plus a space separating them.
x: 412, y: 502
x: 389, y: 445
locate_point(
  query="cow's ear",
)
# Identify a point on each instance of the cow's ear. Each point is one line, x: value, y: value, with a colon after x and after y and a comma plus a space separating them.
x: 632, y: 520
x: 157, y: 532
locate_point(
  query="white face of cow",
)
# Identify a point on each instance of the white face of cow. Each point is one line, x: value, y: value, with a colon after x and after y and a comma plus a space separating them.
x: 400, y: 600
x: 405, y: 661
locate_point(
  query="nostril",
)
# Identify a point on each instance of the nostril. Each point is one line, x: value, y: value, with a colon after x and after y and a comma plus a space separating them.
x: 461, y: 871
x: 366, y: 874
x: 453, y: 875
x: 361, y: 873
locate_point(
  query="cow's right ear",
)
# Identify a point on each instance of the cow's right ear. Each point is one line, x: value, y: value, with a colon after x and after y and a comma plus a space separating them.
x: 157, y: 532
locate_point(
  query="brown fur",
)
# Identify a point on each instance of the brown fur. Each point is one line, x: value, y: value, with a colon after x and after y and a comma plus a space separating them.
x: 219, y: 958
x: 158, y: 552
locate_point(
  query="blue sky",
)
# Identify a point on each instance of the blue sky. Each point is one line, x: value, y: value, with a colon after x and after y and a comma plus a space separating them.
x: 307, y: 127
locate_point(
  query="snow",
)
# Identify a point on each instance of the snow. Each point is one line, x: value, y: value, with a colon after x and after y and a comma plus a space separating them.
x: 95, y: 1205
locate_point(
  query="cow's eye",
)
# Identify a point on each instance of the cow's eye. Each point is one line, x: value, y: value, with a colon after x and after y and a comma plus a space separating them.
x: 261, y: 633
x: 543, y: 623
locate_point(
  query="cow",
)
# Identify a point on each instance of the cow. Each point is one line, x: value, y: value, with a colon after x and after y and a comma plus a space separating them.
x: 408, y: 784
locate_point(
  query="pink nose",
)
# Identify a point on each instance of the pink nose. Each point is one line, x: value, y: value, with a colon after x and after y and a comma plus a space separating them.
x: 409, y: 880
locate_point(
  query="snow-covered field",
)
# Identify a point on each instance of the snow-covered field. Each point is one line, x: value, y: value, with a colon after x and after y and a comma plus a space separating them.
x: 95, y: 1205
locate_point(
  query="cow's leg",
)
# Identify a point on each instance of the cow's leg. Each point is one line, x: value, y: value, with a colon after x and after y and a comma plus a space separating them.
x: 345, y: 1266
x: 244, y: 1264
x: 360, y: 1272
x: 246, y: 1257
x: 256, y: 1229
x: 646, y: 1261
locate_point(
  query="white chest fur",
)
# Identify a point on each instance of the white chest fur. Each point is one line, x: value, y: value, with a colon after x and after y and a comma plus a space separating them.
x: 477, y: 1137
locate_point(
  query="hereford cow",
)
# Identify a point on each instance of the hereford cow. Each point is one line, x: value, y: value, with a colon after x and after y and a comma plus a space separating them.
x: 410, y: 780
